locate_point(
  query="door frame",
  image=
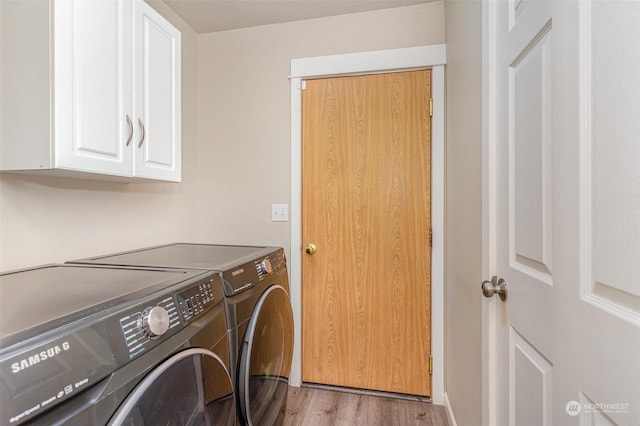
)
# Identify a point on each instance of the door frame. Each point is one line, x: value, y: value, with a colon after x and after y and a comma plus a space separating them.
x: 380, y: 61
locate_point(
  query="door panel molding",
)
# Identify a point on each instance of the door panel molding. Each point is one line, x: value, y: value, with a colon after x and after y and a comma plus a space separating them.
x: 601, y: 284
x: 405, y: 59
x: 533, y: 404
x: 530, y: 162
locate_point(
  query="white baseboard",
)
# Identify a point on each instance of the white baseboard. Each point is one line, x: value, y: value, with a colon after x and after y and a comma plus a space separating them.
x: 449, y: 410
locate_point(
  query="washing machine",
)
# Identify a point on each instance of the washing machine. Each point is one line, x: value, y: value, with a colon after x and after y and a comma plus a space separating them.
x: 259, y: 315
x: 96, y: 345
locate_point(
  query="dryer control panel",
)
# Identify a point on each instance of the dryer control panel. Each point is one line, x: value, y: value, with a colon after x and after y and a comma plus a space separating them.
x: 247, y: 275
x: 269, y: 264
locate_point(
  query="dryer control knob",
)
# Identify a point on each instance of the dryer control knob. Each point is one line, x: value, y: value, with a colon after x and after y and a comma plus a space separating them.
x: 154, y: 321
x: 264, y: 267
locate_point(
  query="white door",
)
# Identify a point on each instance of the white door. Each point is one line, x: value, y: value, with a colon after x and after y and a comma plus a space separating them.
x: 562, y: 194
x: 157, y: 96
x: 93, y: 117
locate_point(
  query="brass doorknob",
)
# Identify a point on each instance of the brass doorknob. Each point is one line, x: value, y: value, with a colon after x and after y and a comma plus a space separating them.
x: 311, y: 249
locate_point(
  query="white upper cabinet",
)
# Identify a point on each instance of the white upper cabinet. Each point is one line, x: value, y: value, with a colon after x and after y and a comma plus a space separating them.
x: 157, y: 95
x: 93, y: 83
x: 91, y: 87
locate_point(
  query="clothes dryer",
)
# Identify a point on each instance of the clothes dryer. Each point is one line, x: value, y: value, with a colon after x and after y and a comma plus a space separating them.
x: 259, y: 316
x: 92, y: 345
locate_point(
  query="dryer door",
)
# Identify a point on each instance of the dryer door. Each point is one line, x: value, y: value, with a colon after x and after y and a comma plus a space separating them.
x: 192, y: 387
x: 265, y: 359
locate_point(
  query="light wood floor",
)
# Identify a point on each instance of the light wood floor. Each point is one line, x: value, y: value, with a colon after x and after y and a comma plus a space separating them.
x: 318, y: 407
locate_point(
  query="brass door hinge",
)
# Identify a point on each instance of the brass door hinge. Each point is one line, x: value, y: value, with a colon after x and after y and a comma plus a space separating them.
x: 430, y: 365
x: 430, y: 107
x: 430, y: 237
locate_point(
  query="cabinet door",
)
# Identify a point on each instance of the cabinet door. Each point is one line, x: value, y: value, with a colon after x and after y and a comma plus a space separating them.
x: 93, y: 120
x: 157, y: 96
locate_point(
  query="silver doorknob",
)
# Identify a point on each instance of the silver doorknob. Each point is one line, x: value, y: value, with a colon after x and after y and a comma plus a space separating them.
x: 495, y: 286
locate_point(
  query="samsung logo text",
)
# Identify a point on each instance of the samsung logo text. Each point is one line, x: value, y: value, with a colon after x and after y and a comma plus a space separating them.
x: 36, y: 358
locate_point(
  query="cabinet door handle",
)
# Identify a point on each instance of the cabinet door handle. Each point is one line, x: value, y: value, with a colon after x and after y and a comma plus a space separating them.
x: 141, y: 124
x: 130, y: 130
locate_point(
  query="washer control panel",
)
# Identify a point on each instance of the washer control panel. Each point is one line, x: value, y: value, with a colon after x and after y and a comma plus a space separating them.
x: 145, y: 326
x: 197, y: 299
x: 141, y: 326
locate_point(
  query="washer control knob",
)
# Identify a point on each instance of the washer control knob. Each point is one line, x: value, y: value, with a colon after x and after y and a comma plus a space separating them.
x: 154, y: 321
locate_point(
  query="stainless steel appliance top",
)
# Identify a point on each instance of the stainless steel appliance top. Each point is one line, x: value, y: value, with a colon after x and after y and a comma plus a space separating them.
x: 184, y: 255
x: 211, y: 257
x: 53, y: 295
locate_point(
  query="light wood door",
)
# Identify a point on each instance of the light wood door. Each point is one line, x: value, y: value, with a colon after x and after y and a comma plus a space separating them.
x: 366, y: 207
x: 564, y: 347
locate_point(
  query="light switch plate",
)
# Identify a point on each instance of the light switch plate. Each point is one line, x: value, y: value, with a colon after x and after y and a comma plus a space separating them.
x: 279, y: 212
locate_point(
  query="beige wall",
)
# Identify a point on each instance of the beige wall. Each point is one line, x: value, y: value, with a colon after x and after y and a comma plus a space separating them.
x: 244, y: 110
x: 463, y: 371
x: 45, y: 220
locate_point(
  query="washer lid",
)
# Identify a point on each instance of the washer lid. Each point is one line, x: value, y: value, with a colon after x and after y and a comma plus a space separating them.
x: 41, y: 299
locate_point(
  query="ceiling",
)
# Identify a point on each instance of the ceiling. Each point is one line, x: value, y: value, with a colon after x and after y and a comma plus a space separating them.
x: 206, y: 16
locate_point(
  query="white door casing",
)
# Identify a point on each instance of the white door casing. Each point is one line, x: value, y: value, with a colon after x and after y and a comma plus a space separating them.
x: 403, y: 59
x: 561, y: 212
